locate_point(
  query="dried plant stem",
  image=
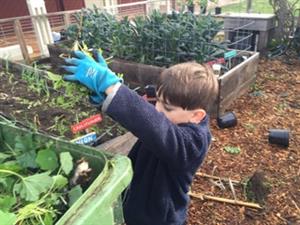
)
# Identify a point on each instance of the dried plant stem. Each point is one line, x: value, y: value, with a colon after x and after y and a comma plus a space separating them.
x: 225, y: 200
x: 217, y: 178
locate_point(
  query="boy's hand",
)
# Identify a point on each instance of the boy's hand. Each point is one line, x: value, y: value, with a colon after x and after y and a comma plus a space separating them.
x: 95, y: 76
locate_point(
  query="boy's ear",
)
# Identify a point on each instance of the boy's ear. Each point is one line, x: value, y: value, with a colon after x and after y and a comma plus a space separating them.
x: 197, y: 116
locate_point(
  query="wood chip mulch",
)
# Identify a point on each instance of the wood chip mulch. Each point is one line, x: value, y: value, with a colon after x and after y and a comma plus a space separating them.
x: 273, y: 102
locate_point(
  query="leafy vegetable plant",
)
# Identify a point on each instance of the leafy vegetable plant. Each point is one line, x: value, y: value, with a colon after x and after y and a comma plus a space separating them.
x: 34, y: 182
x: 158, y: 39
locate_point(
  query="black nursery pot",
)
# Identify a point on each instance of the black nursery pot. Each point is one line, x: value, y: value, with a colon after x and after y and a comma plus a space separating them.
x: 279, y: 137
x: 150, y: 91
x: 227, y: 120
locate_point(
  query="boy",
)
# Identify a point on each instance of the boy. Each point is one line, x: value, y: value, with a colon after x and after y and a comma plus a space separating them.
x: 173, y: 136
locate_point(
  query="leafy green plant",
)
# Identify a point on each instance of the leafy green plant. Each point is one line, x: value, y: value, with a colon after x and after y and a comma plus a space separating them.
x: 60, y: 125
x: 158, y: 39
x: 232, y: 150
x: 71, y: 93
x: 35, y: 82
x: 33, y: 182
x: 189, y: 2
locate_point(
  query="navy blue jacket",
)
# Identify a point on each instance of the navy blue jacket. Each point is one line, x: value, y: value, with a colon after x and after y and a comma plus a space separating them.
x: 164, y: 160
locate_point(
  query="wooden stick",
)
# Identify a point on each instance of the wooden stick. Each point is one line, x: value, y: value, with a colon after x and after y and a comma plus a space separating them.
x: 225, y: 200
x: 217, y: 178
x: 21, y: 41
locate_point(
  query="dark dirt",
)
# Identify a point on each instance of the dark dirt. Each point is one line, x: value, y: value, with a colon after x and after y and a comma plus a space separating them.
x: 31, y: 109
x: 273, y: 102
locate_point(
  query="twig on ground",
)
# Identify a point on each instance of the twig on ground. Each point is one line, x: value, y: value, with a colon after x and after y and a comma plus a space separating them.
x: 218, y: 183
x: 225, y: 200
x: 217, y: 178
x: 232, y: 189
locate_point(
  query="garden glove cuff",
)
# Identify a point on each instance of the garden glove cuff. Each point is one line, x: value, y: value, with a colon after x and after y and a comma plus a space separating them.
x: 96, y: 99
x: 95, y: 76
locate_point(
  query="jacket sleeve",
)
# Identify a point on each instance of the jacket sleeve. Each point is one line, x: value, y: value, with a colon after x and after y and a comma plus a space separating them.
x: 177, y: 145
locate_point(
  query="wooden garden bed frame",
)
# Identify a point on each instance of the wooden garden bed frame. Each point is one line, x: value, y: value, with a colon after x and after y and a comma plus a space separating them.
x: 232, y: 84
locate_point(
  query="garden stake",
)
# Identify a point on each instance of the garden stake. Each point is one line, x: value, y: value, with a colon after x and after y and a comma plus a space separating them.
x: 225, y: 200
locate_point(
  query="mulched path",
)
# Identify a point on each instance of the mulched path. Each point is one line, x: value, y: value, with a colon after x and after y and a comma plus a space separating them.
x: 274, y: 102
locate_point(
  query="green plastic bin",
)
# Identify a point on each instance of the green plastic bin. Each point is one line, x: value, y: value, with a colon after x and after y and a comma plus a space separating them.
x: 101, y: 202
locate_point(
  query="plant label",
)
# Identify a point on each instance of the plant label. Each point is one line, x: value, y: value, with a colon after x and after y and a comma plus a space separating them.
x: 217, y: 61
x: 86, y: 123
x: 85, y: 139
x: 230, y: 54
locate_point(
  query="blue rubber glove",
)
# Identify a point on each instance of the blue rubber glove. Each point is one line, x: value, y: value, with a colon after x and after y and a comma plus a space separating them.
x: 95, y: 76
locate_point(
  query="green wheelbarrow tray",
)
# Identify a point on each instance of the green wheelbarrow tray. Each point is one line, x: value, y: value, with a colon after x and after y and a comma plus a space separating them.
x: 101, y: 203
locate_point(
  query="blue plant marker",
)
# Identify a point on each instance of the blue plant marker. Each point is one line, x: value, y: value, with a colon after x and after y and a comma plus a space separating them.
x: 230, y: 54
x: 85, y: 139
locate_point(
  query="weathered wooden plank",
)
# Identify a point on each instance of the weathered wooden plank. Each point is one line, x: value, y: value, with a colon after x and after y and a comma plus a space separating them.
x: 21, y: 41
x: 119, y: 145
x: 133, y: 72
x: 235, y: 82
x: 19, y: 68
x: 229, y: 99
x: 137, y: 72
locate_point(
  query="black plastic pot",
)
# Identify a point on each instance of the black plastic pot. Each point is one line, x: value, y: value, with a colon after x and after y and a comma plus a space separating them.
x: 227, y: 120
x: 218, y: 10
x: 279, y: 137
x: 150, y: 91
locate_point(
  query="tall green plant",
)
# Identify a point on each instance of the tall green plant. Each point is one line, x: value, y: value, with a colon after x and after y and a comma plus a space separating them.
x: 158, y: 39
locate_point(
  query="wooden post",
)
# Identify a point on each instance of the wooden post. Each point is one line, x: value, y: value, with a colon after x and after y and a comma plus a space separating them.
x: 21, y: 40
x: 66, y: 20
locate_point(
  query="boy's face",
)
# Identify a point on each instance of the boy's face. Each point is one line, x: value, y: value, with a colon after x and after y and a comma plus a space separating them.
x: 177, y: 114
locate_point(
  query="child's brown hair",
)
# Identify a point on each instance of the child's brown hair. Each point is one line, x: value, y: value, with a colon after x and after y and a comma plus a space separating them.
x: 188, y: 85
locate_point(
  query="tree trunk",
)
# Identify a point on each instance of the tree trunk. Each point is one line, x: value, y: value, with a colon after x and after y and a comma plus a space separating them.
x: 285, y: 18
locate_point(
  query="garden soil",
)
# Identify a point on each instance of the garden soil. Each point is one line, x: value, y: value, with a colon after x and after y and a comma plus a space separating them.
x: 17, y: 102
x: 273, y: 102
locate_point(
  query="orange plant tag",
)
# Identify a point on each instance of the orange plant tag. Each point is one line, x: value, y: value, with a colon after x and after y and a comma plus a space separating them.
x: 86, y: 123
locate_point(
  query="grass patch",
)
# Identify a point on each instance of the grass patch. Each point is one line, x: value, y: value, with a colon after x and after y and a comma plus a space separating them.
x: 258, y: 6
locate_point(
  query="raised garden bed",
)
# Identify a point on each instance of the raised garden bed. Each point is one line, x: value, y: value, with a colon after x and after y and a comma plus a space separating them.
x: 27, y: 95
x: 232, y: 83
